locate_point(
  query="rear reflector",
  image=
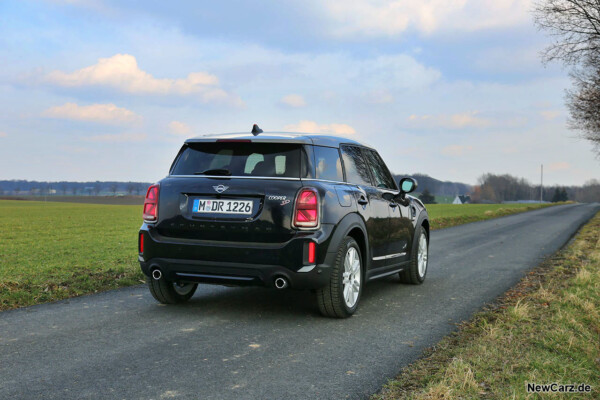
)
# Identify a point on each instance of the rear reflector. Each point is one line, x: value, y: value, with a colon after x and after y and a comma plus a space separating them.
x: 141, y: 243
x: 311, y: 252
x: 151, y: 204
x: 306, y: 211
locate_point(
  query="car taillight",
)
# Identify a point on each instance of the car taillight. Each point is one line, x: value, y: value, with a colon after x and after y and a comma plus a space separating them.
x: 306, y: 211
x: 151, y: 204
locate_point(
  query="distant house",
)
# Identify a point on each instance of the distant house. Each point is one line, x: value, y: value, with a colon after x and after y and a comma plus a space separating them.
x: 463, y: 199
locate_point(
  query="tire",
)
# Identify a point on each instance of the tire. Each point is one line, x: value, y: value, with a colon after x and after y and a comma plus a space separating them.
x: 419, y: 257
x: 340, y: 298
x: 167, y: 292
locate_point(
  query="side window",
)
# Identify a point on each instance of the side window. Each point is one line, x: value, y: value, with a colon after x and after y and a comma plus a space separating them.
x: 382, y: 176
x: 357, y: 170
x: 328, y: 164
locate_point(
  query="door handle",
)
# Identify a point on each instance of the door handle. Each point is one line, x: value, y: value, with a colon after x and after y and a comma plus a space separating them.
x: 362, y: 200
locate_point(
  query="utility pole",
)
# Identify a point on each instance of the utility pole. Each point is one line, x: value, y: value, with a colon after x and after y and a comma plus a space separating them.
x: 542, y: 185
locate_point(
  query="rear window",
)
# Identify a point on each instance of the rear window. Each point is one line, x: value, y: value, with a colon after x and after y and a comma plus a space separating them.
x: 241, y: 159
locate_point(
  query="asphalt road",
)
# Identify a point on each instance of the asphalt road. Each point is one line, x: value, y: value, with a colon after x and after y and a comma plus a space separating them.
x: 252, y: 343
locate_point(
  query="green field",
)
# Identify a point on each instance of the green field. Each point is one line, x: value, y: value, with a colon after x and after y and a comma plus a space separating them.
x: 446, y: 215
x: 51, y: 251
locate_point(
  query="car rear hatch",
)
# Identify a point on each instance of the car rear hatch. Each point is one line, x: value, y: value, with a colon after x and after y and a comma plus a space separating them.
x: 232, y: 191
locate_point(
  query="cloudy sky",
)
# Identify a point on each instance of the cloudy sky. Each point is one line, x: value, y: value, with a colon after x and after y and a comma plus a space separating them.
x: 109, y: 89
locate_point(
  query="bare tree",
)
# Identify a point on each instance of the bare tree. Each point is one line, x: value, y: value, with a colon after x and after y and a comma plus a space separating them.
x: 113, y: 189
x: 575, y: 25
x: 130, y: 188
x: 583, y: 100
x: 74, y: 190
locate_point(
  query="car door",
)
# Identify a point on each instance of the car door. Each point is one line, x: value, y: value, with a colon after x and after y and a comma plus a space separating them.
x: 400, y: 228
x: 371, y: 204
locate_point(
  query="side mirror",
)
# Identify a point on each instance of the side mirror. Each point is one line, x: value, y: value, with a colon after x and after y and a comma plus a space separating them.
x: 408, y: 185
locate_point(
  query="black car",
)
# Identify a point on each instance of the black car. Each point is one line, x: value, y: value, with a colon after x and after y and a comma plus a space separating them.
x: 281, y: 210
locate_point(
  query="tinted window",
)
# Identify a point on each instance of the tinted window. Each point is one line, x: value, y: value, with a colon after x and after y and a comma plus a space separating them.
x: 241, y: 159
x: 357, y: 170
x: 327, y: 164
x: 381, y: 175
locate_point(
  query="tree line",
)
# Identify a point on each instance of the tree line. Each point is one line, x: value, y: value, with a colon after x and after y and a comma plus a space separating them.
x: 65, y: 188
x: 500, y: 188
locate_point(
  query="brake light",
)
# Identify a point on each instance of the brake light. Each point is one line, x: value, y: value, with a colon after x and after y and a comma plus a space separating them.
x: 151, y: 204
x: 141, y: 243
x: 306, y: 211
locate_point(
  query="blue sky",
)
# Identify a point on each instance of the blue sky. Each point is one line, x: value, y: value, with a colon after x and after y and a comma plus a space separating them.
x: 108, y: 90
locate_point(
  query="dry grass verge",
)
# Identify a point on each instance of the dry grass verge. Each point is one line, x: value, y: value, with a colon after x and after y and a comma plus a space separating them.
x: 545, y: 330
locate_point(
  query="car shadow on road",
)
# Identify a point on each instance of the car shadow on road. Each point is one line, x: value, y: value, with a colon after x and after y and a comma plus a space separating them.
x: 256, y: 302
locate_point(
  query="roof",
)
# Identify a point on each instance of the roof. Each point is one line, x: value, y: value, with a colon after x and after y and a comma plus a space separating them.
x: 278, y: 137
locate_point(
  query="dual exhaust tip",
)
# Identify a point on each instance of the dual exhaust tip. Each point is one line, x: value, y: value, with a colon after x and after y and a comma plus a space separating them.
x: 280, y: 282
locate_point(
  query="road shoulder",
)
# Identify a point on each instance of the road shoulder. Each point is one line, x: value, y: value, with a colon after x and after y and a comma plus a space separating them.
x: 545, y: 330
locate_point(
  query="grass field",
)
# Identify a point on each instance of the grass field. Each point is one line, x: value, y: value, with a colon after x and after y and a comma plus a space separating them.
x: 446, y: 215
x: 51, y: 251
x: 545, y: 330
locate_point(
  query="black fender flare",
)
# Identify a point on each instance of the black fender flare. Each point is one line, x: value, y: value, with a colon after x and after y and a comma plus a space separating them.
x: 343, y: 228
x: 423, y: 216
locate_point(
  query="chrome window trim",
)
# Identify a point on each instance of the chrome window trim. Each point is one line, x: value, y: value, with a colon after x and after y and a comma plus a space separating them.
x: 389, y: 256
x: 395, y: 191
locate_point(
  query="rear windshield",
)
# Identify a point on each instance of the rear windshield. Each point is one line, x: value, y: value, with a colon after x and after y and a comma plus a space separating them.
x: 241, y: 159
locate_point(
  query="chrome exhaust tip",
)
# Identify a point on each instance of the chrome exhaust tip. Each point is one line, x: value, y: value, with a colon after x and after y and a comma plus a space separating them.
x: 281, y: 283
x: 156, y: 274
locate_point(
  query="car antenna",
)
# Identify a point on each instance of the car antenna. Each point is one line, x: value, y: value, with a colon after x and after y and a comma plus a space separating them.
x: 256, y: 130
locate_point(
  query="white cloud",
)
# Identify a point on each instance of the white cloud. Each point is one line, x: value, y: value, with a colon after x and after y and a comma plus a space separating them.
x: 179, y: 128
x: 450, y: 121
x: 456, y: 150
x: 391, y: 18
x: 121, y: 72
x: 549, y: 115
x: 559, y: 166
x: 118, y: 138
x: 105, y: 113
x: 313, y: 127
x: 380, y: 97
x: 293, y: 100
x: 75, y: 149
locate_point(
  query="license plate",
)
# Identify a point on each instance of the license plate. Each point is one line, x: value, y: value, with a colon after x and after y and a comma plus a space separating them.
x: 222, y: 206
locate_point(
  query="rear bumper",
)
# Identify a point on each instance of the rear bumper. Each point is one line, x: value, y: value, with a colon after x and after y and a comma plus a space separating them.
x: 239, y: 264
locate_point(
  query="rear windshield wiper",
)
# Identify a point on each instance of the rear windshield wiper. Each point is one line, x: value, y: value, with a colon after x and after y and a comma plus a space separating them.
x: 218, y: 171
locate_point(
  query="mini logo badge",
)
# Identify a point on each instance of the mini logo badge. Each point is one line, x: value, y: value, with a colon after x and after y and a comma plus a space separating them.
x: 220, y: 188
